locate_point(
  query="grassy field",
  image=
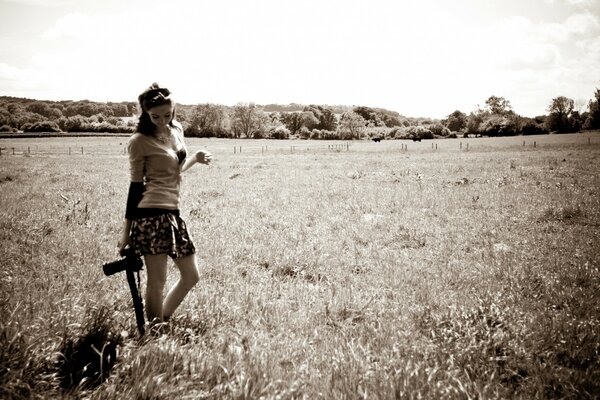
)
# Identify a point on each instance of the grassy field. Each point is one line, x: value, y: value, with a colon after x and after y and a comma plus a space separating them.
x: 366, y: 271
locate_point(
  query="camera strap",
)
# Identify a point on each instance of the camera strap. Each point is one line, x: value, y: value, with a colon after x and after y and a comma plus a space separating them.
x: 138, y: 304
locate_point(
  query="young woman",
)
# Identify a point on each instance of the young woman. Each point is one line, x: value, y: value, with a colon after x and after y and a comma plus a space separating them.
x: 153, y: 226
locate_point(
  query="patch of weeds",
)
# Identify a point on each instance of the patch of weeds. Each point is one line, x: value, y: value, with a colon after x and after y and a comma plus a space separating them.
x: 187, y: 328
x: 85, y: 360
x: 7, y: 178
x: 405, y: 239
x: 562, y: 214
x: 343, y: 314
x: 356, y: 174
x: 20, y: 368
x: 479, y: 341
x: 288, y: 271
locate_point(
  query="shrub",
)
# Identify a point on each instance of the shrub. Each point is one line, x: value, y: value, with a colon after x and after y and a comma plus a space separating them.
x: 279, y: 132
x: 531, y: 127
x: 77, y: 123
x: 329, y: 135
x: 7, y: 128
x: 43, y: 126
x: 87, y: 359
x: 419, y: 132
x: 498, y: 125
x: 304, y: 133
x: 439, y: 130
x: 20, y: 365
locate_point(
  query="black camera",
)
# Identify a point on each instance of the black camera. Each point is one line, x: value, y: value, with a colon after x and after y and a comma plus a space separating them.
x: 130, y: 261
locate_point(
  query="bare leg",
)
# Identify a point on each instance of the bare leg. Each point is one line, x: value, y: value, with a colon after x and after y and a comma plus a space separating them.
x: 156, y: 266
x: 189, y: 276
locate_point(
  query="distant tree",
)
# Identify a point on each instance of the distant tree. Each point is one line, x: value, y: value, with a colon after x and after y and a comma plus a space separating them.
x: 498, y: 105
x: 474, y: 121
x: 209, y: 120
x: 351, y: 125
x: 292, y: 121
x: 370, y: 115
x: 309, y: 120
x: 324, y: 115
x: 119, y: 109
x: 19, y: 120
x: 43, y: 109
x: 248, y: 120
x: 84, y: 108
x: 456, y: 121
x: 593, y: 118
x: 560, y: 117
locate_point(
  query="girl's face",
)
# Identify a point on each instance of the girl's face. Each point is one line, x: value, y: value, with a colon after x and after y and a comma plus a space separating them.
x: 161, y: 115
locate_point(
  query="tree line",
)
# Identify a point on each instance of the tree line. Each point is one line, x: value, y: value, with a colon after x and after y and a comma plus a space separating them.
x: 249, y: 120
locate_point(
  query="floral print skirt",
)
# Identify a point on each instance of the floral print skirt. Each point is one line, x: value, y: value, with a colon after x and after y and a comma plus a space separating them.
x: 161, y: 234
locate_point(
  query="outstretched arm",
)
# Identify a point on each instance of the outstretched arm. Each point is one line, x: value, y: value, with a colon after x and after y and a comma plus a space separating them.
x: 201, y: 157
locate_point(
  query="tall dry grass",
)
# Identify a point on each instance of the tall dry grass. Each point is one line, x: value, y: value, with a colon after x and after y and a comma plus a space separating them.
x: 368, y: 273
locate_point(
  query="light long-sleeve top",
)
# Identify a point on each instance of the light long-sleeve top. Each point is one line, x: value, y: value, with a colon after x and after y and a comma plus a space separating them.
x: 155, y: 167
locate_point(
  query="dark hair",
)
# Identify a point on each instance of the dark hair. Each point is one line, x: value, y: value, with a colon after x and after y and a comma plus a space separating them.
x: 150, y: 98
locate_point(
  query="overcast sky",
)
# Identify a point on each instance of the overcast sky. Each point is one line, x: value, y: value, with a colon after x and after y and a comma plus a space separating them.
x: 422, y: 58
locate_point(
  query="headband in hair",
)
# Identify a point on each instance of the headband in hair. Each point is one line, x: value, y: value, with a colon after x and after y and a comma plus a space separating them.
x: 154, y: 96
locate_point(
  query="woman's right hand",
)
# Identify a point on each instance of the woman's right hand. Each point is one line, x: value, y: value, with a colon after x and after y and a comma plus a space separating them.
x: 124, y: 241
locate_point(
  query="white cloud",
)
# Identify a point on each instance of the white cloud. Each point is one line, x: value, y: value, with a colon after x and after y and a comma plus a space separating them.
x: 406, y: 56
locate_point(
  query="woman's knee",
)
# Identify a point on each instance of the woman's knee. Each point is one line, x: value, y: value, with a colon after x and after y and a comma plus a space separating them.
x: 188, y: 268
x: 156, y: 267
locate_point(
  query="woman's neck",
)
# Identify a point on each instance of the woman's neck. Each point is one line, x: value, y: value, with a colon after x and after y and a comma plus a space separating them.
x: 163, y: 131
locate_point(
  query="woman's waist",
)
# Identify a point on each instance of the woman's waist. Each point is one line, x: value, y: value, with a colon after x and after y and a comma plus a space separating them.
x: 148, y: 212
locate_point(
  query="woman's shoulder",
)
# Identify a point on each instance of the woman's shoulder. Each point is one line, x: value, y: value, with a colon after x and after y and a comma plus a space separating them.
x: 138, y: 137
x: 178, y: 129
x: 137, y: 140
x: 177, y: 125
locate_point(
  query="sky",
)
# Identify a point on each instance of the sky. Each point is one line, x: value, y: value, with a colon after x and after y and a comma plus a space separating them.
x: 424, y: 58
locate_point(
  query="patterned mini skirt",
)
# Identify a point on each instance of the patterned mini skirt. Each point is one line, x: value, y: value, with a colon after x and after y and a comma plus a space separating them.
x: 161, y: 234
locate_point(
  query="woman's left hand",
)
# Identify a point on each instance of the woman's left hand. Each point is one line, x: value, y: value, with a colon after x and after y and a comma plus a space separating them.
x: 203, y: 157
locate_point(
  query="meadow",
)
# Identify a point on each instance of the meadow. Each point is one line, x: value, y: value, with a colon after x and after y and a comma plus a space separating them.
x: 328, y: 270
